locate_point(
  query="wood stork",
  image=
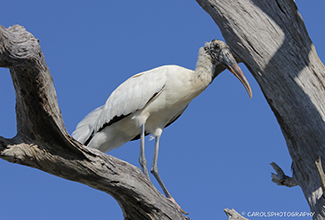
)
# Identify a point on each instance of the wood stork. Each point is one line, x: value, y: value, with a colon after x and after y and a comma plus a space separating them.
x: 149, y: 101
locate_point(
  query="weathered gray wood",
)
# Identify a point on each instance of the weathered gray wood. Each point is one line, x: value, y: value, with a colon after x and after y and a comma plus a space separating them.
x: 233, y: 215
x: 320, y: 205
x: 270, y: 38
x: 43, y: 142
x: 280, y: 178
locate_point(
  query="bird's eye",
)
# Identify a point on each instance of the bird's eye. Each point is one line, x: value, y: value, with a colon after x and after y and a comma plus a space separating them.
x: 216, y: 47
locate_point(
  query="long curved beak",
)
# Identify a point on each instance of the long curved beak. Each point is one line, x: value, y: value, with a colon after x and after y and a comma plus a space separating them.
x: 227, y: 59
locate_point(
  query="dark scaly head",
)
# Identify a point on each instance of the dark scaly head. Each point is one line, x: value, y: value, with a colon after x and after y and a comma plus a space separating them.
x: 220, y: 55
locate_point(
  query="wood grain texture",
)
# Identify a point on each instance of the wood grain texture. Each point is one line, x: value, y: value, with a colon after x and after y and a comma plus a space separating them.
x: 270, y: 38
x: 42, y: 141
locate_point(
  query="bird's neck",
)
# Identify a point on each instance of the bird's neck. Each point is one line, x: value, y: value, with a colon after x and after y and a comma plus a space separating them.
x: 204, y: 71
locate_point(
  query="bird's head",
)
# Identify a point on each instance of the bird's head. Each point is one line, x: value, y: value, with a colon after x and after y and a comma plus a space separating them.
x: 220, y: 55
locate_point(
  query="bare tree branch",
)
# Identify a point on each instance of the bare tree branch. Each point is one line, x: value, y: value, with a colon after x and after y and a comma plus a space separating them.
x: 42, y: 141
x: 320, y: 173
x: 270, y: 38
x: 321, y: 207
x: 280, y: 178
x: 232, y: 215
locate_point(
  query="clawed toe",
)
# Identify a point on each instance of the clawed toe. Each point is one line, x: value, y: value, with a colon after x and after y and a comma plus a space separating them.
x: 173, y: 200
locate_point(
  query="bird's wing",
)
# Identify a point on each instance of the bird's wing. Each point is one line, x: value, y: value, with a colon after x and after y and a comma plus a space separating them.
x: 131, y: 96
x: 84, y: 127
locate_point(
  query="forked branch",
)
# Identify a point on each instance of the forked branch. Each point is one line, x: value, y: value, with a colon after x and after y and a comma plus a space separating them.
x: 42, y: 141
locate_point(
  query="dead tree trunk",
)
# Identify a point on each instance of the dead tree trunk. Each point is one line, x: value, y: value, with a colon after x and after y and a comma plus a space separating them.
x: 270, y: 38
x: 42, y: 141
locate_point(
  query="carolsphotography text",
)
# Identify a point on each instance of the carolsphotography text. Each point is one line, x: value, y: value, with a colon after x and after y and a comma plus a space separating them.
x: 269, y: 214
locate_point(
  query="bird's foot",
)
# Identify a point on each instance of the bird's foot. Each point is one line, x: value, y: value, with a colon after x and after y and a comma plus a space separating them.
x: 173, y: 200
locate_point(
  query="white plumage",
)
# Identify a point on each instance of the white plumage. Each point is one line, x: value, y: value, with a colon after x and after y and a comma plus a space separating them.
x: 149, y: 101
x: 145, y: 97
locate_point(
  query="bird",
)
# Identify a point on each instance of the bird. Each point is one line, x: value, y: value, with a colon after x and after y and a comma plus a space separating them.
x: 150, y: 101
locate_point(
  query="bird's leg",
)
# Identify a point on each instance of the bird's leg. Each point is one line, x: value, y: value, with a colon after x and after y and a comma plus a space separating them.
x: 154, y: 169
x: 142, y: 157
x: 155, y: 172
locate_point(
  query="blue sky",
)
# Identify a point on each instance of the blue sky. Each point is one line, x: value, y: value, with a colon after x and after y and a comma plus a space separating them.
x: 215, y: 156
